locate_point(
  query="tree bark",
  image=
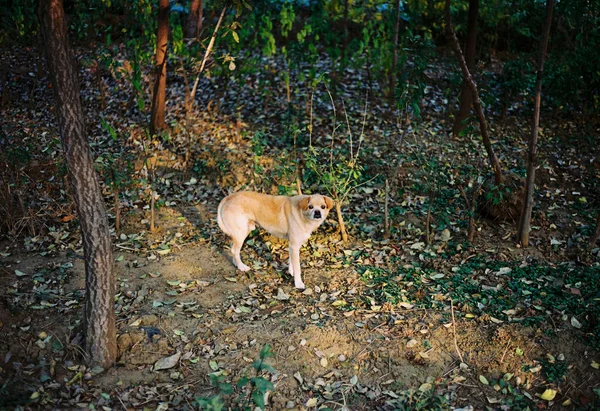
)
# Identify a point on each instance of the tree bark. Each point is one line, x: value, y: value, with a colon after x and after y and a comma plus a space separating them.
x: 194, y: 21
x: 100, y: 329
x: 525, y: 220
x: 466, y: 99
x: 476, y: 102
x: 157, y: 118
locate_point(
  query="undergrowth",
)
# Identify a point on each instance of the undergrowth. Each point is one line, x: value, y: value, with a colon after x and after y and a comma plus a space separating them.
x: 513, y: 292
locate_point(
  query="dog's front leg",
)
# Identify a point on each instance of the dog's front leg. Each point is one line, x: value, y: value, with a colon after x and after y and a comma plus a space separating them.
x: 295, y: 265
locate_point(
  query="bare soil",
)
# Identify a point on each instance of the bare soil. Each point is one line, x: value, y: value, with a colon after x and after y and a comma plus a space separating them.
x: 193, y: 301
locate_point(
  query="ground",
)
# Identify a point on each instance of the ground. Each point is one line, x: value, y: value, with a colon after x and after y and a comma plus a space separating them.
x: 385, y: 323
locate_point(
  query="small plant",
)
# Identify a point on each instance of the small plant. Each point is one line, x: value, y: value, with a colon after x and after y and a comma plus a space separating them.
x: 251, y: 390
x: 497, y: 194
x: 555, y: 370
x: 426, y: 399
x: 343, y: 172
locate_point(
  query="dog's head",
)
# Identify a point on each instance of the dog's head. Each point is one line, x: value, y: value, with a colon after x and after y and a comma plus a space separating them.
x: 316, y: 207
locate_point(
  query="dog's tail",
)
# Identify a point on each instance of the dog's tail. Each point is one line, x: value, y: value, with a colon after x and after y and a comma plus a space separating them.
x: 220, y: 217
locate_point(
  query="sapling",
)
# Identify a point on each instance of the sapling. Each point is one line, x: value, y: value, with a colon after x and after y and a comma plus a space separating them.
x: 343, y: 172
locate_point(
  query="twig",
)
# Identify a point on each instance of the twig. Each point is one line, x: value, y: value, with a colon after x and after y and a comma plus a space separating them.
x: 206, y: 54
x: 505, y: 351
x: 386, y: 229
x: 454, y: 328
x: 121, y: 401
x: 122, y: 247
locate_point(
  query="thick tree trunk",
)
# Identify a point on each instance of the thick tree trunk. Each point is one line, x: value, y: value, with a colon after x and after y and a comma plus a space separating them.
x: 466, y: 99
x: 100, y: 334
x: 525, y: 220
x: 194, y: 21
x: 157, y: 119
x: 499, y: 179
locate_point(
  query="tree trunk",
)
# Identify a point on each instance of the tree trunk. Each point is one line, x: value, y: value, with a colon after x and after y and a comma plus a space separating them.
x: 346, y: 37
x: 343, y: 232
x: 100, y: 334
x: 194, y: 21
x: 157, y: 119
x: 476, y: 102
x: 191, y: 97
x: 525, y: 220
x: 393, y: 71
x: 466, y: 100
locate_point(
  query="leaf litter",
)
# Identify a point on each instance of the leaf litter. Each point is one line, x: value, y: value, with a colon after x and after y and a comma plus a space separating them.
x: 372, y: 325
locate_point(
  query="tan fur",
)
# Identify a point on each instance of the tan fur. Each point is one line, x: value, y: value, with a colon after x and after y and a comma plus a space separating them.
x: 293, y: 218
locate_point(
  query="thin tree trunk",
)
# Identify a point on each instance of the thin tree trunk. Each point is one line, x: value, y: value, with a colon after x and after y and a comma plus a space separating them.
x: 346, y: 38
x: 194, y: 21
x: 476, y: 102
x: 189, y: 104
x: 393, y: 71
x: 343, y: 232
x: 594, y: 237
x: 525, y: 220
x: 157, y: 119
x: 99, y: 325
x: 117, y: 213
x: 466, y: 99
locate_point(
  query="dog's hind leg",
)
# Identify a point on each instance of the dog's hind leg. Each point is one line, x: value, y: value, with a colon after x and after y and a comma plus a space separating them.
x: 241, y: 227
x: 236, y: 247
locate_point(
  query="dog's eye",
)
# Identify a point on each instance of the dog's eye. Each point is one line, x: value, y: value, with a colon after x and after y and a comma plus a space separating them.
x: 323, y: 207
x: 310, y: 207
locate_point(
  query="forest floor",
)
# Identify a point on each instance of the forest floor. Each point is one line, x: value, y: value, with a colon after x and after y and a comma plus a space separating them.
x: 385, y: 323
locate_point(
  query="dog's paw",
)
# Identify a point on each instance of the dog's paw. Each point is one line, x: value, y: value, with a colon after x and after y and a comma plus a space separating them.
x: 243, y: 267
x: 299, y: 285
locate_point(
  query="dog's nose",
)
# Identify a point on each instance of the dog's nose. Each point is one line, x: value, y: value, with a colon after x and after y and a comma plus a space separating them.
x: 317, y: 214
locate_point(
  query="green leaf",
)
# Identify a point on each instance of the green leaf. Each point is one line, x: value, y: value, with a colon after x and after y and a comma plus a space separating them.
x: 213, y: 365
x: 242, y: 382
x: 259, y: 399
x: 262, y: 384
x: 266, y: 352
x: 226, y: 388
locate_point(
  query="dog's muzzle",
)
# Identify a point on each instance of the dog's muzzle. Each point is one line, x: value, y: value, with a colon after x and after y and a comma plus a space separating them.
x: 317, y: 214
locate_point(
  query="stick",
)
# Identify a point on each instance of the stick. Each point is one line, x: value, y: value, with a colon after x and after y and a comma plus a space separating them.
x: 454, y: 328
x: 206, y: 54
x: 386, y: 232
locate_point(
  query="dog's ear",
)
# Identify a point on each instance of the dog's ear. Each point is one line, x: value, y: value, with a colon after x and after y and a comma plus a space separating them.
x: 304, y: 203
x: 329, y: 202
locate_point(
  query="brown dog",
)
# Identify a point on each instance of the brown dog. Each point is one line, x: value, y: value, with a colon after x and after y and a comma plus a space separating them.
x: 294, y: 218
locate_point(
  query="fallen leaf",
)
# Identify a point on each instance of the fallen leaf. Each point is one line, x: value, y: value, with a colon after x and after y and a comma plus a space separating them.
x: 548, y: 395
x: 281, y: 295
x: 167, y: 362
